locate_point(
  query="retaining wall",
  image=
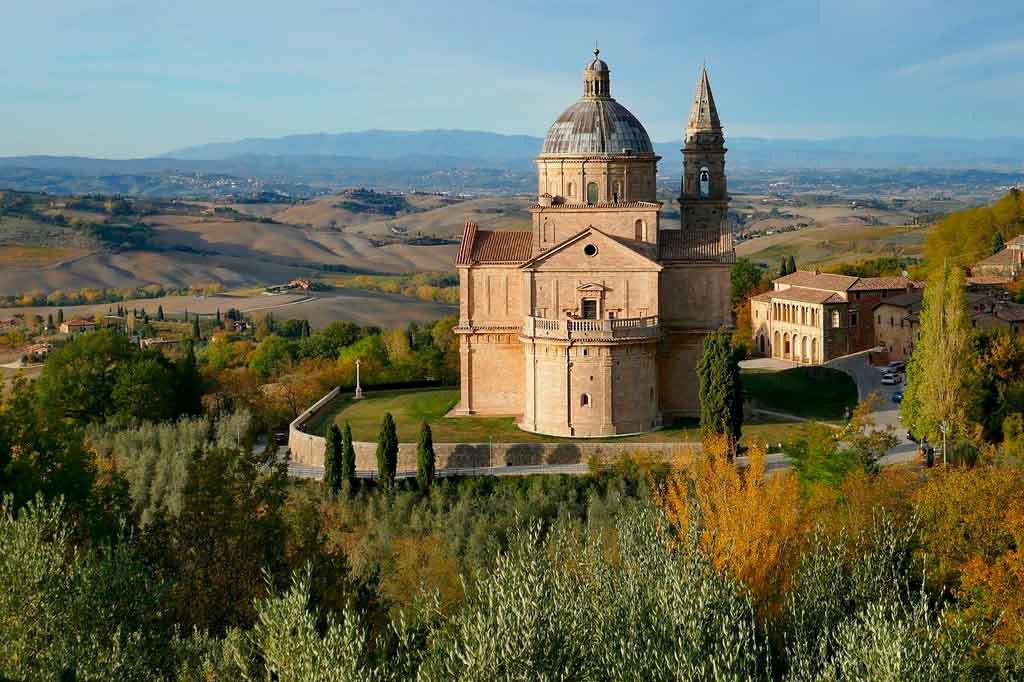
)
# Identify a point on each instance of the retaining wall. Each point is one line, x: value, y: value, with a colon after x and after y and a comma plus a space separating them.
x: 308, y: 449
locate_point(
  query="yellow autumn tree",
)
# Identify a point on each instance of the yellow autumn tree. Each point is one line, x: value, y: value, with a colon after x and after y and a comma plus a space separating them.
x: 750, y: 523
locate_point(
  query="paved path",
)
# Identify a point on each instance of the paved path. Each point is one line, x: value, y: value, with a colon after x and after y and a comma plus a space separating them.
x: 887, y: 413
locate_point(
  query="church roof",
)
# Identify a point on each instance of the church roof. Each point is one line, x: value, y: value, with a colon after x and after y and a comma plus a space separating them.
x: 494, y: 246
x: 703, y: 114
x: 687, y: 245
x: 596, y: 123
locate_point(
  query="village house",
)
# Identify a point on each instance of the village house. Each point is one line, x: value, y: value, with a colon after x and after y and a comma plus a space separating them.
x: 811, y: 317
x: 1007, y: 264
x: 77, y: 326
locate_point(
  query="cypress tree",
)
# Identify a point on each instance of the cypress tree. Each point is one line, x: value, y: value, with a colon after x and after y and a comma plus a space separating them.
x: 60, y: 316
x: 49, y: 320
x: 160, y: 313
x: 195, y: 328
x: 425, y: 459
x: 348, y: 459
x: 997, y: 242
x: 783, y: 267
x: 332, y: 460
x: 791, y: 265
x: 720, y: 389
x: 387, y: 452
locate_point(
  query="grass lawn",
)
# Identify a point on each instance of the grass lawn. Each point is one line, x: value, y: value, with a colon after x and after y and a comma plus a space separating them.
x: 411, y: 407
x: 810, y: 392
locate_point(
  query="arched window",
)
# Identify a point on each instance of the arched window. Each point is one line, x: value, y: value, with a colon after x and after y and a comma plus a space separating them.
x: 776, y: 347
x: 585, y: 400
x: 638, y: 229
x: 568, y: 190
x: 787, y: 351
x: 803, y: 349
x: 705, y: 183
x: 760, y: 343
x: 814, y: 350
x: 591, y: 192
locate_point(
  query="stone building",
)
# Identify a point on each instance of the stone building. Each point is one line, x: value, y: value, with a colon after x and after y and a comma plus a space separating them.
x: 898, y: 319
x: 813, y: 317
x: 591, y: 323
x: 1007, y: 264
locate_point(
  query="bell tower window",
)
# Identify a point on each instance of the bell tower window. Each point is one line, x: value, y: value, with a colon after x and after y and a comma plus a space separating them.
x: 638, y: 230
x: 705, y: 183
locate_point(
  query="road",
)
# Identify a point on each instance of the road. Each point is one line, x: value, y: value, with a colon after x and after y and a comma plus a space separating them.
x: 887, y: 413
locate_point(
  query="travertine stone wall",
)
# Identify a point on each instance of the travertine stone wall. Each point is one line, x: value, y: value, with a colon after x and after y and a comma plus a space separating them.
x: 553, y: 225
x: 493, y: 295
x: 620, y: 177
x: 696, y: 295
x: 492, y: 376
x: 677, y: 381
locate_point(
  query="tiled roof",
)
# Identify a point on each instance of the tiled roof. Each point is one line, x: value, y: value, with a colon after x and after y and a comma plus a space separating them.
x: 494, y: 246
x: 909, y: 300
x: 984, y: 280
x: 818, y: 280
x: 1004, y: 257
x: 801, y: 295
x: 881, y: 283
x: 689, y: 245
x: 1011, y: 312
x: 1016, y: 241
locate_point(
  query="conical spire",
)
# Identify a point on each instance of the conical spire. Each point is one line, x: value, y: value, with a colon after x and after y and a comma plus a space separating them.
x: 704, y: 115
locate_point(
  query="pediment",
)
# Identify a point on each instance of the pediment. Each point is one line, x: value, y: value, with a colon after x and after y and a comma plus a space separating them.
x: 592, y: 286
x: 592, y: 249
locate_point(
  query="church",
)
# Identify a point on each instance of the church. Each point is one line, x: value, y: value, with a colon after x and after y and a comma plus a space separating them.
x: 591, y: 324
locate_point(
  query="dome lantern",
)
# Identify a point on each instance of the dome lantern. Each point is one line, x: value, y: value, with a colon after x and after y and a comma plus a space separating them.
x: 597, y: 78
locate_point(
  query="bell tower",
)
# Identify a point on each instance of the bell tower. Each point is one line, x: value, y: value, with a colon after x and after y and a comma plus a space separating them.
x: 704, y: 200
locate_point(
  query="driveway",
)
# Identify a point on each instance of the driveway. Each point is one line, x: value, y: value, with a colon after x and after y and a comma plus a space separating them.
x: 887, y: 413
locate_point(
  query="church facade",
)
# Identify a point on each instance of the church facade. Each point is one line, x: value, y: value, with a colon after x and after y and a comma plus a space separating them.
x: 591, y: 323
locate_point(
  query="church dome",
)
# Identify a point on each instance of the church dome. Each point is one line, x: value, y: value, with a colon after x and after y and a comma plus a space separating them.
x: 596, y: 123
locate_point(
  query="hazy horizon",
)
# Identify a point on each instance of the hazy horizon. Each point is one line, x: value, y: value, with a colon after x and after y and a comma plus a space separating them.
x: 116, y: 79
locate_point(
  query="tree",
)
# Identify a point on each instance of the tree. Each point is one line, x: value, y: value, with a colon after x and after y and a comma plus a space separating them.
x: 160, y: 313
x: 348, y: 459
x: 790, y: 265
x: 77, y: 380
x: 49, y: 321
x: 997, y: 242
x: 270, y: 356
x: 195, y: 327
x: 387, y: 452
x: 189, y: 384
x: 783, y: 267
x: 425, y: 459
x: 720, y: 389
x: 60, y: 316
x: 938, y: 375
x: 219, y: 322
x: 745, y: 278
x: 333, y: 455
x: 144, y: 388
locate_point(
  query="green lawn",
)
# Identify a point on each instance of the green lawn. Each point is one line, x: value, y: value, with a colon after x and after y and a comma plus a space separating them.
x: 810, y: 392
x: 412, y: 407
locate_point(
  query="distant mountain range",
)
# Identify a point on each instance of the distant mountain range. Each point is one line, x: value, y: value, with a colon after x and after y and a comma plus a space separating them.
x: 458, y: 161
x: 745, y: 152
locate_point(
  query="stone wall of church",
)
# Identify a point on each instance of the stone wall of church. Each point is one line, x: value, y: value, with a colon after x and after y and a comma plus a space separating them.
x: 590, y: 389
x: 490, y: 295
x: 696, y: 295
x: 553, y: 225
x: 677, y: 379
x: 624, y: 294
x: 615, y: 179
x: 492, y: 374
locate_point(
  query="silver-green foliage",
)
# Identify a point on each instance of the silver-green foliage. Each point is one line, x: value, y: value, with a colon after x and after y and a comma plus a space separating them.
x: 62, y: 607
x: 154, y: 457
x: 862, y: 615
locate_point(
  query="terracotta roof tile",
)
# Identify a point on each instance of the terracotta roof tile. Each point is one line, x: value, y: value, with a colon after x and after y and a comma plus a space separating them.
x: 1004, y: 257
x: 689, y: 245
x: 909, y: 300
x: 494, y: 246
x: 818, y: 280
x: 988, y: 280
x: 1011, y: 312
x: 881, y: 283
x: 801, y: 295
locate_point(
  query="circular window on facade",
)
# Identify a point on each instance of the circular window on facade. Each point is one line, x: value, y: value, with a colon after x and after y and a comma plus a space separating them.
x: 590, y: 250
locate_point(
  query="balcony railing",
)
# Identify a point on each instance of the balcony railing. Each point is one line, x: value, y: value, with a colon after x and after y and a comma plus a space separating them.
x: 592, y: 330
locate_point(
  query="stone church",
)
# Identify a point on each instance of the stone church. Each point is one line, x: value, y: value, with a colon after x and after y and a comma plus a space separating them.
x: 591, y: 324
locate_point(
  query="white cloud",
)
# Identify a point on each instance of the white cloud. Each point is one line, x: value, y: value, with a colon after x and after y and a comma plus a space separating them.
x: 964, y: 59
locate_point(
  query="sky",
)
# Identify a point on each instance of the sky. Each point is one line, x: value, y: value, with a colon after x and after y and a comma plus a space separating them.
x: 119, y: 79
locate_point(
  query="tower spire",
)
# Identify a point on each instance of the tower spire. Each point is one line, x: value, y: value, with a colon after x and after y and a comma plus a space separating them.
x: 703, y: 115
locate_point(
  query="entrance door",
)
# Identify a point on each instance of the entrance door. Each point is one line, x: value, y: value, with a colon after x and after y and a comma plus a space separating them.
x: 589, y: 307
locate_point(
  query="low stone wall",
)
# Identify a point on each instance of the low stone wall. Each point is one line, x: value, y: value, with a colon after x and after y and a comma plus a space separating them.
x: 306, y: 448
x: 309, y: 450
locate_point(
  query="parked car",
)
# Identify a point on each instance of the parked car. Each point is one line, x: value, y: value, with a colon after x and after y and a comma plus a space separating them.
x: 896, y: 366
x: 897, y: 397
x: 891, y: 379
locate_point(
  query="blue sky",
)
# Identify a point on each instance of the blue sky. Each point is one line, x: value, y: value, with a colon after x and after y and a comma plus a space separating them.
x: 113, y: 78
